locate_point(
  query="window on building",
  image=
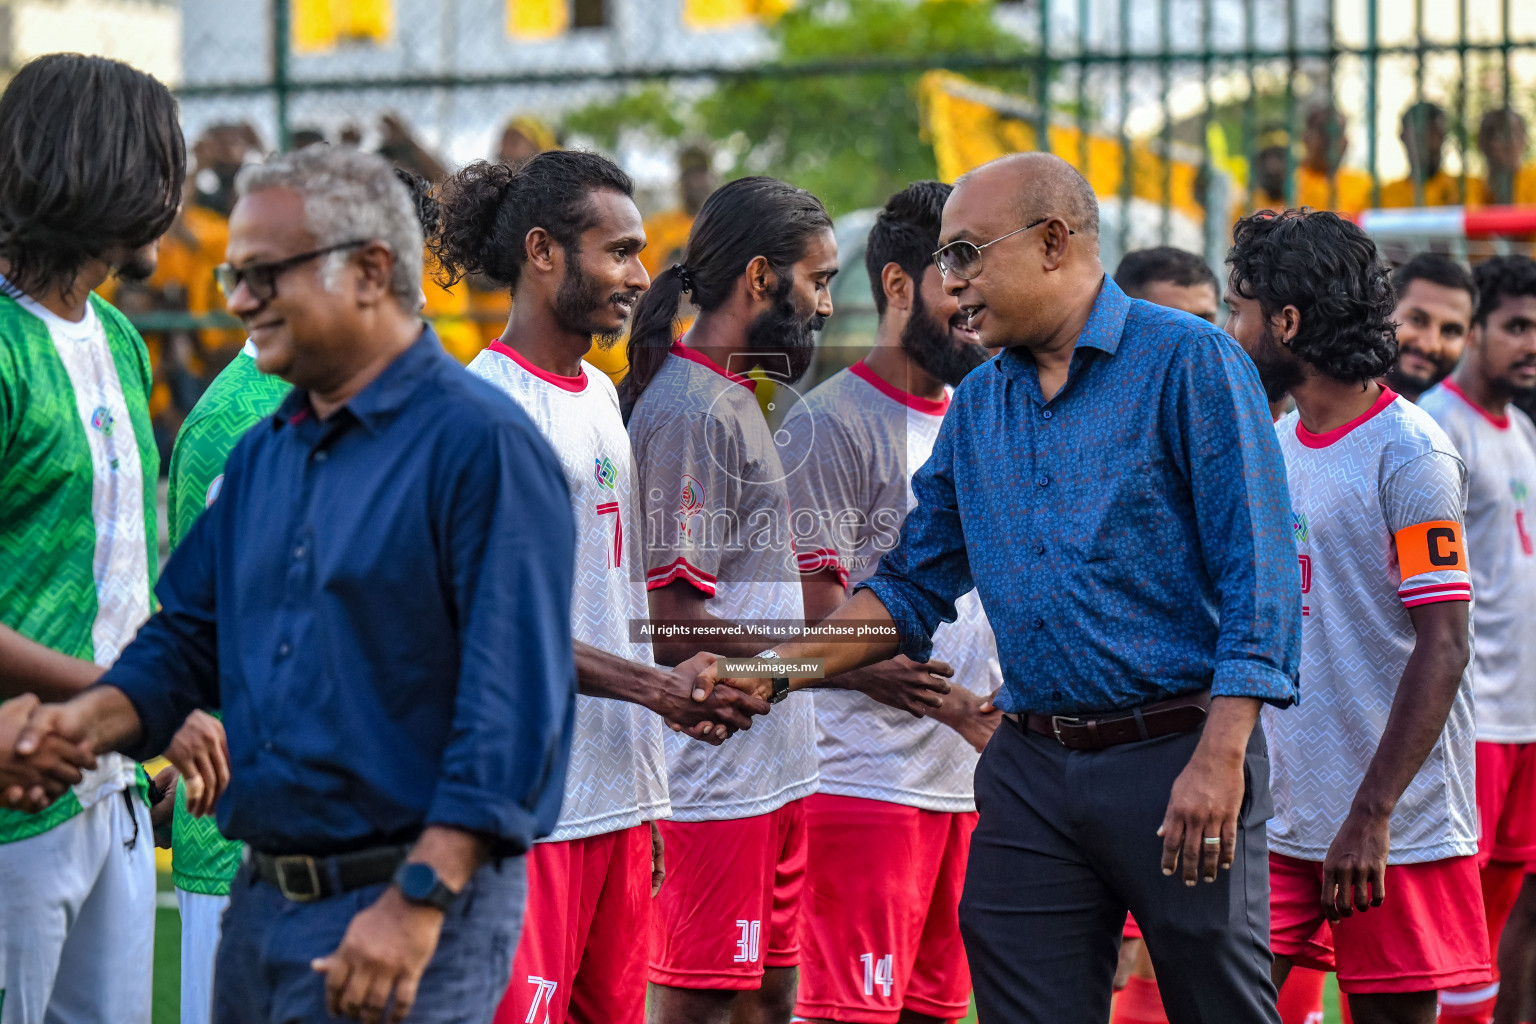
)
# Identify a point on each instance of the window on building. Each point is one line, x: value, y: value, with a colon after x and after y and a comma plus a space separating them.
x: 589, y: 13
x: 320, y: 25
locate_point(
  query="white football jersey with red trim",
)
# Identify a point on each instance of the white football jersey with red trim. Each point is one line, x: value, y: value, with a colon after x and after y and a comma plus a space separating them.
x: 617, y: 775
x: 855, y: 442
x: 1378, y: 507
x: 1500, y: 453
x: 717, y: 516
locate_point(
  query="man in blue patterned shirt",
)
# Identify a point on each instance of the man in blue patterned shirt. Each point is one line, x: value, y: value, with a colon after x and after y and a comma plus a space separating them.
x: 1111, y: 486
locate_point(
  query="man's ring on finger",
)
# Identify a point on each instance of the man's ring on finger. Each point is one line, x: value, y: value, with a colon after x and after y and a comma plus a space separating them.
x: 1211, y: 840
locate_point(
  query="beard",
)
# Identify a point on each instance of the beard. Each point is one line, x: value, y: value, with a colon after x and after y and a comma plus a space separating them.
x: 788, y: 331
x: 1416, y: 384
x: 932, y: 345
x: 1279, y: 371
x: 580, y: 298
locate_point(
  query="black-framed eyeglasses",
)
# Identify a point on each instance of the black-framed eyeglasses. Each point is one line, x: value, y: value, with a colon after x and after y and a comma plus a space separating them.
x: 963, y: 259
x: 261, y: 278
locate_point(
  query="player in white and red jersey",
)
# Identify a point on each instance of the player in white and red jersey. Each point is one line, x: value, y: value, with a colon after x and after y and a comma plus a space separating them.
x: 564, y: 233
x: 1372, y: 771
x: 1182, y: 280
x: 722, y: 576
x: 1498, y: 443
x: 882, y: 943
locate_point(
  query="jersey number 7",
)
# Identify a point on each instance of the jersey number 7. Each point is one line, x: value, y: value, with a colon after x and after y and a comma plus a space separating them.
x: 611, y: 508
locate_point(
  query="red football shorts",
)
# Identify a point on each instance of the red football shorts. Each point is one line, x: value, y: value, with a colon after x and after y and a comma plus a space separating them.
x: 582, y: 957
x: 1428, y: 935
x: 731, y: 903
x: 882, y: 925
x: 1506, y: 803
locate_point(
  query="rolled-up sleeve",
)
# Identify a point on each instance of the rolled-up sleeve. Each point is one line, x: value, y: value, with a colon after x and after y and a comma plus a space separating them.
x: 510, y: 541
x: 1237, y: 478
x: 921, y: 578
x: 171, y: 667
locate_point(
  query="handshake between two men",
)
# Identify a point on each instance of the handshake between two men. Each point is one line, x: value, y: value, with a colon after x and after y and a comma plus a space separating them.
x: 46, y: 747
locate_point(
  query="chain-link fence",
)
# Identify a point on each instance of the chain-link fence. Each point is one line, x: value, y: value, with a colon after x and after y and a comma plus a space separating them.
x: 1184, y: 114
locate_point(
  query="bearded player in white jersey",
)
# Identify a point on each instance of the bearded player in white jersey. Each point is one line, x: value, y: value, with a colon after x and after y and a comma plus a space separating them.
x: 720, y: 566
x: 562, y: 232
x: 882, y: 943
x: 1498, y: 442
x: 1373, y: 843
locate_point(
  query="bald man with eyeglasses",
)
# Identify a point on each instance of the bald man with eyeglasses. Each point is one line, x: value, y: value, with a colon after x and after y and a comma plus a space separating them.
x: 1111, y: 486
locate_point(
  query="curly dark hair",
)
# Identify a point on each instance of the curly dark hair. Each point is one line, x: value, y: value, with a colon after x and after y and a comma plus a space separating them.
x: 1499, y: 278
x: 1329, y: 270
x: 91, y: 157
x: 428, y: 210
x: 906, y: 232
x: 488, y: 209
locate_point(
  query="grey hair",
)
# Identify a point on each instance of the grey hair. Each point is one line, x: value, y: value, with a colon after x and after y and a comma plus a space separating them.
x: 349, y: 195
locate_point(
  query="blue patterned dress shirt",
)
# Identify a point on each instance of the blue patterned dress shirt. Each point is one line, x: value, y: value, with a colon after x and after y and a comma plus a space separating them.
x: 380, y: 603
x: 1130, y: 538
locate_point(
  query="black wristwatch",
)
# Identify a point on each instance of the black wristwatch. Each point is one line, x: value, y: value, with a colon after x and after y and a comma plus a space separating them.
x: 419, y: 884
x: 780, y: 683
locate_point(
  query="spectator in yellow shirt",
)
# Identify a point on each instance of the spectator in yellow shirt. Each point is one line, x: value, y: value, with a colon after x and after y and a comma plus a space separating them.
x: 1322, y: 182
x: 1501, y: 137
x: 1427, y: 184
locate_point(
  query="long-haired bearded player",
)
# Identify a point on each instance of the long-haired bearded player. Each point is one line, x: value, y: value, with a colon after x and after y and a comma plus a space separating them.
x: 759, y: 260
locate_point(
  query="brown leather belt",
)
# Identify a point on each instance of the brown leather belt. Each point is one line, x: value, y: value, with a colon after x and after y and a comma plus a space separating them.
x: 1165, y: 718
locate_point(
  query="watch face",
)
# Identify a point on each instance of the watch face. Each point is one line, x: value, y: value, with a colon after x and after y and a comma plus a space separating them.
x: 417, y: 881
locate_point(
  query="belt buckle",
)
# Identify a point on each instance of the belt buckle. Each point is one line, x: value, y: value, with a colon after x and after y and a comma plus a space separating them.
x: 1057, y: 720
x: 309, y: 872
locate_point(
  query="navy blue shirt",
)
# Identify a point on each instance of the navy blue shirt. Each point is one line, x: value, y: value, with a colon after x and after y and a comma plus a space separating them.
x: 1130, y: 538
x: 379, y: 602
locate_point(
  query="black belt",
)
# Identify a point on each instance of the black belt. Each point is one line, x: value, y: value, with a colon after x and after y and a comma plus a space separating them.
x: 304, y: 879
x: 1095, y: 732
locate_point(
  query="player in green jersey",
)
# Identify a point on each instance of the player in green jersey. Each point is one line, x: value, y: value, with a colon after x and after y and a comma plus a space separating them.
x: 96, y: 183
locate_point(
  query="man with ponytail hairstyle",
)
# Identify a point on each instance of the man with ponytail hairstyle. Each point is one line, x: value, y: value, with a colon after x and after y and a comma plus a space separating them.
x: 562, y: 232
x: 720, y: 559
x: 882, y: 944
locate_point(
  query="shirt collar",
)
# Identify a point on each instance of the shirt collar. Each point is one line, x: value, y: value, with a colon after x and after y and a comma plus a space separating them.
x: 385, y: 394
x: 1106, y: 322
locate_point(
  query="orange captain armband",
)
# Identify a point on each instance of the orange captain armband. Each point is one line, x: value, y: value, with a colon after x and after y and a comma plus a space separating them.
x: 1431, y: 547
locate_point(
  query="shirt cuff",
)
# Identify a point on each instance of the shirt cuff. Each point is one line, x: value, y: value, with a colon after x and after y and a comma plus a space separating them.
x: 1241, y: 677
x: 151, y: 701
x: 913, y: 638
x: 510, y: 827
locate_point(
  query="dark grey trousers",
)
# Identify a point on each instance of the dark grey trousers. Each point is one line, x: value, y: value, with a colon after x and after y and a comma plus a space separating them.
x: 1066, y: 844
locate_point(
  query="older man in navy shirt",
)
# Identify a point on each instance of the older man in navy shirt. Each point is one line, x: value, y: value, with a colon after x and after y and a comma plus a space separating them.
x: 379, y: 602
x: 1111, y: 485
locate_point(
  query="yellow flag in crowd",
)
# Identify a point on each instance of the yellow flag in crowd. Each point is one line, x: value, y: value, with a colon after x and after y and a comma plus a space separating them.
x: 319, y: 25
x: 969, y: 124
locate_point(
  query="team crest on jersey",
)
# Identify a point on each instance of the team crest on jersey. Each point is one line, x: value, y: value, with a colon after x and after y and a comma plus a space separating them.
x: 690, y: 501
x: 1299, y: 526
x: 1518, y: 488
x: 102, y: 420
x: 606, y: 472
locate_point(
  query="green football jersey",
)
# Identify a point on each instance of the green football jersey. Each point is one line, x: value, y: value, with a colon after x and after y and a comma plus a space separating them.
x: 241, y: 396
x: 78, y: 469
